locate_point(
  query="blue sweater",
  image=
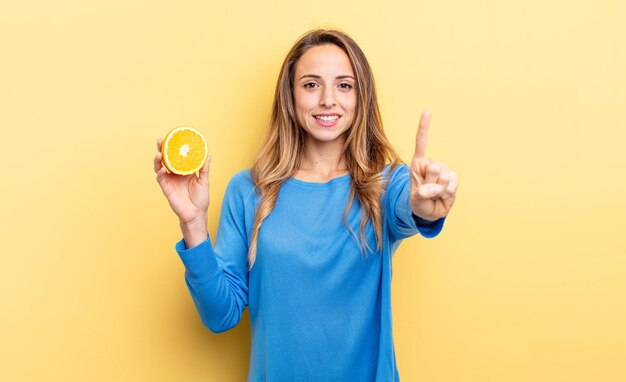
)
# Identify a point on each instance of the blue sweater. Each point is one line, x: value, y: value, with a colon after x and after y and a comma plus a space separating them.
x: 319, y: 309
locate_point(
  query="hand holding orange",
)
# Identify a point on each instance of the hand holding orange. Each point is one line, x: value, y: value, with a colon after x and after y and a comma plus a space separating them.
x: 182, y: 153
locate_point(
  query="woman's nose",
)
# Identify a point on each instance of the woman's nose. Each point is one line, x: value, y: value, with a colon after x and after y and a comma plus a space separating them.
x: 328, y: 97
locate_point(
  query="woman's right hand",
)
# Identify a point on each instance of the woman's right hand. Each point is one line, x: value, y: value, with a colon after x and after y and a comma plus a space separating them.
x: 187, y: 195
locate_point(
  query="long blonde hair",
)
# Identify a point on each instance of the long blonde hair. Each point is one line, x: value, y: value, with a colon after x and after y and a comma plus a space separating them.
x: 366, y: 148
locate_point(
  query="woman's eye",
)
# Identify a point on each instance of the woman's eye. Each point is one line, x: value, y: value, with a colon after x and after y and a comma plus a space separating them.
x: 309, y: 83
x: 346, y: 86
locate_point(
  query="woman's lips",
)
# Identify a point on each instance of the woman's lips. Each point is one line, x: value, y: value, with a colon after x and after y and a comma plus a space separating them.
x: 326, y: 123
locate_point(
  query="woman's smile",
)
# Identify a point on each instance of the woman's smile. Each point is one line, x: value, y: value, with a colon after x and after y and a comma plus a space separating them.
x: 327, y: 120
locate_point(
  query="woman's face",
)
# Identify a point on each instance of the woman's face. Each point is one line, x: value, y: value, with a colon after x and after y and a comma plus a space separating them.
x: 324, y: 92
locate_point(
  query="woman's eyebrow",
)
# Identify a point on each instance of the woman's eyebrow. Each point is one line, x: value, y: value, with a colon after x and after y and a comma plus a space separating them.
x: 317, y: 76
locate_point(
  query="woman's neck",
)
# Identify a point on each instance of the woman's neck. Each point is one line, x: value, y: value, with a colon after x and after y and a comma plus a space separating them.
x: 322, y: 161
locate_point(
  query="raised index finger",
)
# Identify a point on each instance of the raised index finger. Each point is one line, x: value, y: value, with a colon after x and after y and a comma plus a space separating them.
x: 421, y: 140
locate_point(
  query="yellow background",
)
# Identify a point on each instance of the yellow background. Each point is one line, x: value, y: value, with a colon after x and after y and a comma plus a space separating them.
x: 527, y: 282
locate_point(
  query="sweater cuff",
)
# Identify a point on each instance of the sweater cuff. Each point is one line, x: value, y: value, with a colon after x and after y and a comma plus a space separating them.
x: 199, y: 261
x: 428, y: 228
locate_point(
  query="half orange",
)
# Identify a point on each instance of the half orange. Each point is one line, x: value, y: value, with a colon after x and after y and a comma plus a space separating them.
x: 184, y: 150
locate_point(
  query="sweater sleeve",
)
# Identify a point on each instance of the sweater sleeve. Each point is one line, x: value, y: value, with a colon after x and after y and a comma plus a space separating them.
x: 217, y: 276
x: 400, y: 218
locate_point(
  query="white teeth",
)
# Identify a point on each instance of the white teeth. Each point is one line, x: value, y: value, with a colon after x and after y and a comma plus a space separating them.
x: 328, y: 119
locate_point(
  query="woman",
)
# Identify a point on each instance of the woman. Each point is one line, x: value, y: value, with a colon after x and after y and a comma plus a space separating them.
x: 306, y: 236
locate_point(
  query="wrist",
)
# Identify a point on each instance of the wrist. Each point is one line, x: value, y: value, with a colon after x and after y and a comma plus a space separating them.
x: 420, y: 219
x: 196, y: 221
x: 194, y: 231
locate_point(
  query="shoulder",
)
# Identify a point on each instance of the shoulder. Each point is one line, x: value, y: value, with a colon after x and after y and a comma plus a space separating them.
x: 243, y: 178
x: 399, y: 173
x: 241, y: 185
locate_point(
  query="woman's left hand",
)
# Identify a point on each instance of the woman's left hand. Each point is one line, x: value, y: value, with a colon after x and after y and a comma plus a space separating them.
x: 433, y: 184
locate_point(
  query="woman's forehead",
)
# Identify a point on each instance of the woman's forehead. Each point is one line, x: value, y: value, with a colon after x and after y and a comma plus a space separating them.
x: 324, y: 60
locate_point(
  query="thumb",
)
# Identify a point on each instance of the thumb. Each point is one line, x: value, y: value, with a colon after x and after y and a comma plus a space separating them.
x: 204, y: 171
x: 430, y: 190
